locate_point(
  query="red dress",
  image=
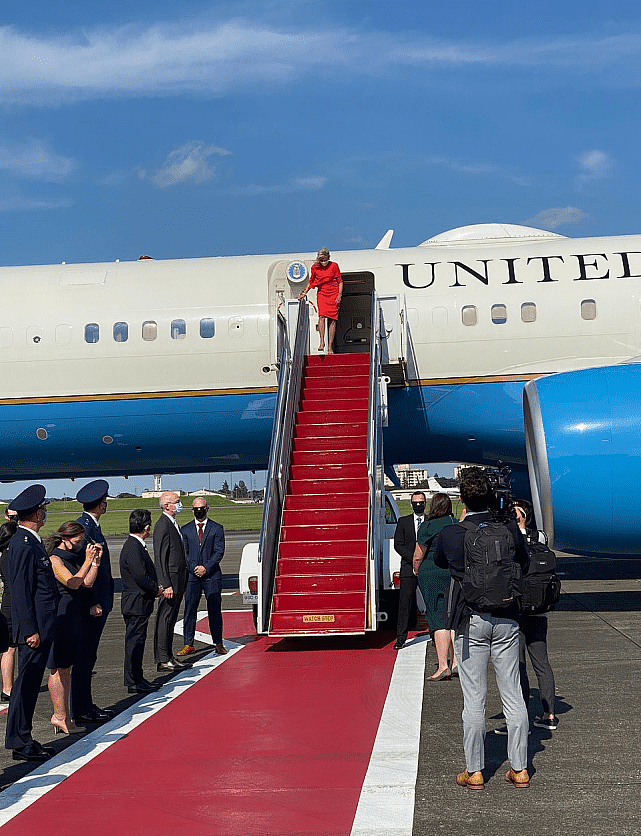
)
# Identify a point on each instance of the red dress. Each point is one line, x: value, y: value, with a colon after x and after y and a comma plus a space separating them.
x: 327, y: 280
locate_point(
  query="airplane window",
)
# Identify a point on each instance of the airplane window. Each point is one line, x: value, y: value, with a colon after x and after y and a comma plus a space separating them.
x: 528, y: 312
x: 92, y: 332
x: 178, y: 329
x: 207, y: 328
x: 588, y: 309
x: 63, y: 334
x: 121, y: 332
x: 469, y: 315
x: 149, y: 330
x: 439, y: 317
x: 499, y: 314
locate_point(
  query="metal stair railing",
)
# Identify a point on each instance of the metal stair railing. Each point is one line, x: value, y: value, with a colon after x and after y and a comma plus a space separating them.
x: 289, y: 384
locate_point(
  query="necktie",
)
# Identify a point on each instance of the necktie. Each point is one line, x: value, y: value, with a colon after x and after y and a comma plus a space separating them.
x: 200, y: 532
x: 419, y: 522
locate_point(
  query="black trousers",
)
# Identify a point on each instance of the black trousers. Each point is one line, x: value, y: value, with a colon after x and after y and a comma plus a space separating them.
x: 82, y: 670
x: 407, y: 610
x: 195, y: 589
x: 135, y: 638
x: 533, y: 638
x: 24, y: 694
x: 166, y: 617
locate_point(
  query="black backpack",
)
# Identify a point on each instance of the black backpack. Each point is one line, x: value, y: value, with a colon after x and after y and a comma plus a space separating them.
x: 492, y: 579
x: 541, y: 586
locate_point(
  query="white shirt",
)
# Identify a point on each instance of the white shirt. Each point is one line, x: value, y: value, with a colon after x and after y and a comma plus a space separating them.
x: 418, y: 519
x: 31, y: 531
x: 139, y: 539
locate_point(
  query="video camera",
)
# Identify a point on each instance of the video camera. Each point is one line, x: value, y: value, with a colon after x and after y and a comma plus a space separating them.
x: 501, y: 504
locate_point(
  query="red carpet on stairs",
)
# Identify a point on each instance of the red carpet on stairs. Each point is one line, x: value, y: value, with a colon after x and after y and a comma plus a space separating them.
x: 321, y: 582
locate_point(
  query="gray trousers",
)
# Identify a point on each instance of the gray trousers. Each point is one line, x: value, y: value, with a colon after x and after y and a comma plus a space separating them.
x: 488, y: 637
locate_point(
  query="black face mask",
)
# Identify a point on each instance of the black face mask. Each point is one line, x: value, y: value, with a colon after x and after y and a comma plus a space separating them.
x: 419, y: 507
x: 200, y: 513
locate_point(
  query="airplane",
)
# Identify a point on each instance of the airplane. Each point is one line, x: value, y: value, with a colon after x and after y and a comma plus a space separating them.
x: 501, y: 342
x: 434, y: 486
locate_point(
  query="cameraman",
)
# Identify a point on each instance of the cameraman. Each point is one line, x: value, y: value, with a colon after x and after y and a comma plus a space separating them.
x: 481, y: 636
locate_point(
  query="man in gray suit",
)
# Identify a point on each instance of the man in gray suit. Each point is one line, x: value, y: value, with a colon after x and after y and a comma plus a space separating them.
x: 171, y: 568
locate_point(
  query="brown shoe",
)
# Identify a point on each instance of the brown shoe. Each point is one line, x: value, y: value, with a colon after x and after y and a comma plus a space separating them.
x: 519, y: 779
x: 187, y: 649
x: 472, y: 782
x: 220, y: 649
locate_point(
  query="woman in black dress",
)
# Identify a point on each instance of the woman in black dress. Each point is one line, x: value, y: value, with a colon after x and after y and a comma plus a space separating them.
x: 435, y: 582
x: 7, y: 644
x: 74, y: 580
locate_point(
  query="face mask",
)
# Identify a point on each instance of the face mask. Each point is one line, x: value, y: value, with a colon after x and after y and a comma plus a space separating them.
x: 179, y: 507
x: 418, y: 507
x: 200, y: 513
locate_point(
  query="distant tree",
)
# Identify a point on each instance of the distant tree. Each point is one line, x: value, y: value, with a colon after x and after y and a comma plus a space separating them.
x: 225, y: 488
x: 242, y: 490
x: 126, y: 496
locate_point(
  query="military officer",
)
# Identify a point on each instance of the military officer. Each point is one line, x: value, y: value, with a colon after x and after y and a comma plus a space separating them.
x: 34, y: 602
x: 93, y: 498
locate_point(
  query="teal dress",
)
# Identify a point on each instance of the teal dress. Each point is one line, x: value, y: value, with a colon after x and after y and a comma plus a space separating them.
x: 433, y: 581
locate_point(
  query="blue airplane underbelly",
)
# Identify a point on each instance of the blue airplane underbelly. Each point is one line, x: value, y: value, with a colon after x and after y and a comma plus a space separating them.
x: 464, y: 422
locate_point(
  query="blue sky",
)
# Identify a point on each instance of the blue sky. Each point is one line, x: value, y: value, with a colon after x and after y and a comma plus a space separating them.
x: 244, y: 127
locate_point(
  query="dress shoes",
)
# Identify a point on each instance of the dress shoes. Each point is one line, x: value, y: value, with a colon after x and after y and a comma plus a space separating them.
x: 94, y: 715
x: 518, y: 779
x: 143, y: 687
x: 32, y: 752
x: 187, y: 649
x: 220, y: 649
x: 471, y: 780
x: 172, y: 666
x: 399, y: 645
x: 4, y: 697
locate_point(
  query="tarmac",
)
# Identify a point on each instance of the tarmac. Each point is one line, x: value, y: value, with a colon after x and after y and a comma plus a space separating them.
x: 586, y: 775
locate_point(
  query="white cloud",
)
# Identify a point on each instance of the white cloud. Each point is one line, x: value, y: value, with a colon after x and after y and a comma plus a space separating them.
x: 593, y: 165
x: 481, y: 169
x: 21, y: 204
x: 298, y: 184
x: 558, y: 216
x: 212, y: 59
x: 35, y: 161
x: 190, y: 162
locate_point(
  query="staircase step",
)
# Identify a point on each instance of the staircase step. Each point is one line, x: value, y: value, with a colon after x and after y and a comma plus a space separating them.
x: 336, y: 361
x: 326, y: 486
x: 317, y: 623
x: 316, y: 518
x: 333, y: 444
x: 324, y: 532
x: 305, y: 549
x: 332, y: 416
x: 321, y: 393
x: 314, y: 472
x: 317, y: 564
x: 326, y: 501
x: 351, y: 428
x: 319, y: 601
x: 344, y: 582
x: 323, y: 458
x: 336, y: 402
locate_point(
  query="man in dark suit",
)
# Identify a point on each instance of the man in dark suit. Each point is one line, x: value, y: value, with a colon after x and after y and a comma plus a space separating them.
x: 93, y: 498
x: 140, y: 588
x: 204, y: 546
x: 34, y: 602
x: 171, y: 568
x: 404, y: 544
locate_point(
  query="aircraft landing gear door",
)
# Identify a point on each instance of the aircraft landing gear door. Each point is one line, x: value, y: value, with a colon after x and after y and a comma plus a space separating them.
x: 354, y: 328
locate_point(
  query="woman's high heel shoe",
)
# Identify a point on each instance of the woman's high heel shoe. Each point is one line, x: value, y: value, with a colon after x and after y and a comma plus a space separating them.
x: 447, y: 674
x: 62, y: 727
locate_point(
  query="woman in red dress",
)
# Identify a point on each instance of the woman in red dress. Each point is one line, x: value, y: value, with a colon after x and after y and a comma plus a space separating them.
x: 327, y: 278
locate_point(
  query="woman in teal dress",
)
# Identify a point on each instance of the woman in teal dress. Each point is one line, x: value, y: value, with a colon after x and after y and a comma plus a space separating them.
x: 435, y: 582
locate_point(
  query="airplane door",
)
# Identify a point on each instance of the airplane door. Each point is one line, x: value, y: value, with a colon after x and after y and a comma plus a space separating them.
x: 354, y: 328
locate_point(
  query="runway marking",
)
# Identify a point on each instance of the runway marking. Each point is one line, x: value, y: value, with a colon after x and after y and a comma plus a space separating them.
x: 386, y: 804
x: 23, y: 793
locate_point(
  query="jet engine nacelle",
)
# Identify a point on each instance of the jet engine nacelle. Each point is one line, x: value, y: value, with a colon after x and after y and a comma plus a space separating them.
x: 583, y: 438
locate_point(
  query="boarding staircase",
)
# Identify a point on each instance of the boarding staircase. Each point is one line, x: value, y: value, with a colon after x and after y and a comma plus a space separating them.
x: 323, y: 519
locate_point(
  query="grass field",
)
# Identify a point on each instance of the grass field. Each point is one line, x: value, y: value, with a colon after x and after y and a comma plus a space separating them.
x: 116, y: 521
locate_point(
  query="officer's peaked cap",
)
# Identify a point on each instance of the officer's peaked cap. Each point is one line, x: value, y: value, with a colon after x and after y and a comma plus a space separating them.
x: 29, y: 500
x: 93, y: 493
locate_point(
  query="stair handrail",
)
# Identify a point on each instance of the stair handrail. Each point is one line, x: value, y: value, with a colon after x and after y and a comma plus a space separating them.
x: 374, y: 461
x: 289, y: 383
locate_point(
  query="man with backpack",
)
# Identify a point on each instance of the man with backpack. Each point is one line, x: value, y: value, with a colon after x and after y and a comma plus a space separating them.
x: 486, y: 556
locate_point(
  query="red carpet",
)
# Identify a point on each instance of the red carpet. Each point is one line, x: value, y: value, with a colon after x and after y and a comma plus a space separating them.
x: 276, y: 740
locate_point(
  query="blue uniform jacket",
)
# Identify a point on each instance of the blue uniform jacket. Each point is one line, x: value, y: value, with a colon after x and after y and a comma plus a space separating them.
x: 34, y: 593
x: 103, y: 587
x: 209, y: 553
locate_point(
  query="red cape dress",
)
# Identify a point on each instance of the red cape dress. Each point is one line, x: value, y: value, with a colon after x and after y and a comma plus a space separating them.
x: 327, y: 280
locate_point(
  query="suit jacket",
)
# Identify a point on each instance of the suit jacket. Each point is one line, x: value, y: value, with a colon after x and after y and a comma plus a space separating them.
x: 169, y: 555
x: 34, y: 593
x: 405, y: 543
x: 208, y: 553
x: 102, y: 591
x: 139, y: 579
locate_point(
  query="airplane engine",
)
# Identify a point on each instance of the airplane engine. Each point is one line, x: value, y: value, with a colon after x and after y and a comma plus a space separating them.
x: 583, y: 439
